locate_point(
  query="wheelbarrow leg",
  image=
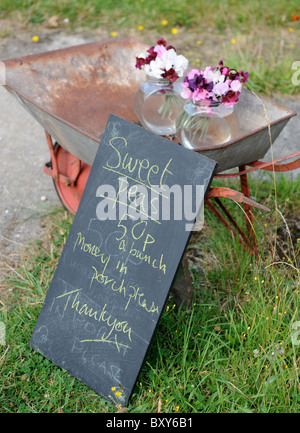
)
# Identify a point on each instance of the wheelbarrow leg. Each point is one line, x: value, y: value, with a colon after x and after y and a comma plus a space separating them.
x: 69, y: 175
x: 247, y: 208
x: 230, y: 225
x: 52, y: 170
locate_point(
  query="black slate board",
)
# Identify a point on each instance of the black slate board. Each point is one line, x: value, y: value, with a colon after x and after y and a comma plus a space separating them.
x: 114, y: 276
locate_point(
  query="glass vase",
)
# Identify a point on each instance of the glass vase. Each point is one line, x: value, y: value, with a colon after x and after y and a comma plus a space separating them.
x: 200, y: 126
x: 157, y: 103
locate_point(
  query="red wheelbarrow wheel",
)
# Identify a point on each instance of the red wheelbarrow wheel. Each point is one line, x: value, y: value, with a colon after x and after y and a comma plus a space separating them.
x: 69, y: 184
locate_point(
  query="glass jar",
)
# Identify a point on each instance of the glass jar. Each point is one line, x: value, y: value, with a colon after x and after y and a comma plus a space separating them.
x: 157, y: 103
x: 200, y: 126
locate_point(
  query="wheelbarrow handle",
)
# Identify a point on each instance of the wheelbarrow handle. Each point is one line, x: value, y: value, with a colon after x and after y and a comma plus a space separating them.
x: 235, y: 196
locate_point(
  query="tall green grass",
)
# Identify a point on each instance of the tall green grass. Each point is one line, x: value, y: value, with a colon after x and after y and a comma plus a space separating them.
x: 234, y: 349
x: 219, y: 15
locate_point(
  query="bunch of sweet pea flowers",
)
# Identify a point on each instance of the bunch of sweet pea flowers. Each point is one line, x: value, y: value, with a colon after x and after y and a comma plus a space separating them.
x: 214, y: 85
x: 162, y: 61
x: 208, y: 89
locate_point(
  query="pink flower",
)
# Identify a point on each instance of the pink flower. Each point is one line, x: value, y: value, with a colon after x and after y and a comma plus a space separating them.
x: 160, y: 50
x: 236, y: 85
x: 207, y: 72
x: 220, y: 88
x: 214, y: 84
x: 225, y: 71
x: 192, y: 73
x: 200, y: 95
x: 186, y: 93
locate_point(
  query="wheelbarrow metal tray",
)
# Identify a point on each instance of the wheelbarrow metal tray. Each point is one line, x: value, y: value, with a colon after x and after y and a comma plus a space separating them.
x: 72, y: 91
x: 255, y: 124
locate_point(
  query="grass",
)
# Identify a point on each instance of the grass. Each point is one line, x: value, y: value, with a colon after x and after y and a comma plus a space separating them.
x: 233, y: 350
x: 240, y: 15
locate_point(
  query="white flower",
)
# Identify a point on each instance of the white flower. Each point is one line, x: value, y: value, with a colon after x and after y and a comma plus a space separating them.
x: 213, y: 75
x: 165, y: 60
x: 153, y: 69
x: 256, y: 353
x: 181, y: 65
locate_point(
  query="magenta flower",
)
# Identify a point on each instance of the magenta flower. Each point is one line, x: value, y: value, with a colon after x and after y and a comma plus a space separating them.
x: 214, y: 84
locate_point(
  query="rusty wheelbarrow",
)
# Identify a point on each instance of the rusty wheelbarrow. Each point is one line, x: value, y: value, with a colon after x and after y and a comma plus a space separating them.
x: 72, y: 91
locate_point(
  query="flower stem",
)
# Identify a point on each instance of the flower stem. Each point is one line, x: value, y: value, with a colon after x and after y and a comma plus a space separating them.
x: 194, y: 124
x: 166, y: 108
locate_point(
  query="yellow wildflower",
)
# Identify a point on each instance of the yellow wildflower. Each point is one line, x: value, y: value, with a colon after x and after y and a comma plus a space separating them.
x: 233, y: 41
x: 35, y: 38
x: 164, y: 22
x: 174, y: 31
x: 140, y: 27
x: 113, y: 34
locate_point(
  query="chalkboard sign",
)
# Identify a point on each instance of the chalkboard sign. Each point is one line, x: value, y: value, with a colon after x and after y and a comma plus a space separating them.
x: 116, y: 269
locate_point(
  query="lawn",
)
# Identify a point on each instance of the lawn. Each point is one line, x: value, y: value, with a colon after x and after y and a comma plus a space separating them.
x: 241, y: 15
x: 236, y: 347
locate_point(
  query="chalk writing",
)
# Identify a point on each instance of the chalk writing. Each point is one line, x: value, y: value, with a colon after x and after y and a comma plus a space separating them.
x: 94, y: 250
x: 114, y: 325
x: 146, y: 258
x: 139, y: 297
x: 119, y: 261
x: 131, y: 293
x: 154, y: 174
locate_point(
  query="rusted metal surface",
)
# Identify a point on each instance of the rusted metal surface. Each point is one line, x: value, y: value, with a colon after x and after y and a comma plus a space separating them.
x: 69, y: 174
x: 273, y: 166
x: 269, y: 165
x: 235, y: 196
x: 247, y: 207
x: 72, y: 91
